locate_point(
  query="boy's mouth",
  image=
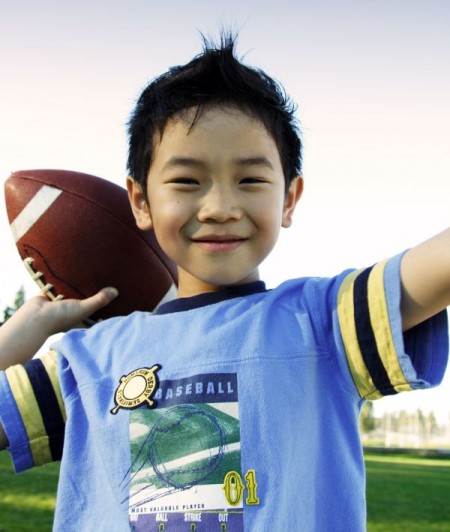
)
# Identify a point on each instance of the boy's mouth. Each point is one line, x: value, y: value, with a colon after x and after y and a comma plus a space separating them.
x: 219, y: 242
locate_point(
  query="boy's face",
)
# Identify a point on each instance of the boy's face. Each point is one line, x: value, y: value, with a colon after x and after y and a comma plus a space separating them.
x: 216, y: 199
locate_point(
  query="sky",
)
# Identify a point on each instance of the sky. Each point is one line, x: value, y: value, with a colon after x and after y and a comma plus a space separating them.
x: 371, y: 81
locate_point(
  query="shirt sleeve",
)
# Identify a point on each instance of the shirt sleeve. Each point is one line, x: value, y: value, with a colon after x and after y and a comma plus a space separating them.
x: 32, y: 412
x: 382, y: 359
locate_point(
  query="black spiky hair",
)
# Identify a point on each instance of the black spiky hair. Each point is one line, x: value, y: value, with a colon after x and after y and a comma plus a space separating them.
x: 214, y: 77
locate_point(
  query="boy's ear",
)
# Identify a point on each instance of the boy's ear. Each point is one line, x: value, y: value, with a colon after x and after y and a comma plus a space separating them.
x: 293, y: 195
x: 139, y: 205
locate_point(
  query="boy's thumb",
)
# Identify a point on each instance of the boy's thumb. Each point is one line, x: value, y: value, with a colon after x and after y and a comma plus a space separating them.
x: 110, y: 292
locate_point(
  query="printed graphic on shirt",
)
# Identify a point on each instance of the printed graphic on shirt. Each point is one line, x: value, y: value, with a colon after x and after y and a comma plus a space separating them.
x: 186, y: 459
x: 136, y: 388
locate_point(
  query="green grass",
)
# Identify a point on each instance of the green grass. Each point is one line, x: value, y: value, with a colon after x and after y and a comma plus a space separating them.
x: 404, y: 493
x: 407, y: 493
x: 27, y: 501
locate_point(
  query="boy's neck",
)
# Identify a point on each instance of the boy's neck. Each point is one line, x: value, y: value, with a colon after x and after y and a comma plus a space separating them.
x: 190, y: 286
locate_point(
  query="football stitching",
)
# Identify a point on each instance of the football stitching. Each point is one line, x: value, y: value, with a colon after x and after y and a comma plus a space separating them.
x: 27, y: 248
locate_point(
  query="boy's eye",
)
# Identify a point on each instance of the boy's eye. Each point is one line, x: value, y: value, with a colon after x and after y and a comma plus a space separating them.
x: 184, y: 181
x: 251, y: 180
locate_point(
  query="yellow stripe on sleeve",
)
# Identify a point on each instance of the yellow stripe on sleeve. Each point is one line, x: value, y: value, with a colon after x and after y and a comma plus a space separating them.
x: 30, y: 413
x: 346, y: 314
x: 379, y: 318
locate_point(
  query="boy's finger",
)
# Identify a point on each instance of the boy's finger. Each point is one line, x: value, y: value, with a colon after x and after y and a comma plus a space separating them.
x: 91, y: 304
x: 110, y: 292
x: 103, y: 297
x: 98, y: 300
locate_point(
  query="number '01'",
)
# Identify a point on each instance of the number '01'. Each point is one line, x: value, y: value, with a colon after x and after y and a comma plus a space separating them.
x: 234, y: 488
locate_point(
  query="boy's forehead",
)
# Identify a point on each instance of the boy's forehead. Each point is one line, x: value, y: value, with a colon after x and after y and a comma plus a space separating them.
x: 184, y: 123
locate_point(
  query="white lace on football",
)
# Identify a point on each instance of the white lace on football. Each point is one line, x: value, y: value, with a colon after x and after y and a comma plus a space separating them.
x: 46, y: 288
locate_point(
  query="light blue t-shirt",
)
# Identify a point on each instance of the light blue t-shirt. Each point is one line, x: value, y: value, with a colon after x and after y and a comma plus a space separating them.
x: 230, y: 411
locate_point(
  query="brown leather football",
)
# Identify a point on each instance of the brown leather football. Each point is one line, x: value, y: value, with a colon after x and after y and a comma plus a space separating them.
x: 76, y: 234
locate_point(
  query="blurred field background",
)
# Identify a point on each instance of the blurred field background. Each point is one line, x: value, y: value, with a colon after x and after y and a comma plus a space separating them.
x: 405, y: 493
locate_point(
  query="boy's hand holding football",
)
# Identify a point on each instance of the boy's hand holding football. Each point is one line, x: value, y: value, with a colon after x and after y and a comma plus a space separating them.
x: 23, y: 334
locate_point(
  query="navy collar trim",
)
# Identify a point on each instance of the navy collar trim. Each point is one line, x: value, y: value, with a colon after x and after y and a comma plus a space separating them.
x: 209, y: 298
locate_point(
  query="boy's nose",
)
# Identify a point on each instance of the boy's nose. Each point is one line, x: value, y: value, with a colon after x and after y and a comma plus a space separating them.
x: 219, y: 206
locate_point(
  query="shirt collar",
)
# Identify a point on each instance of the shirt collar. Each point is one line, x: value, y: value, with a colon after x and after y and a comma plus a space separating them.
x: 209, y: 298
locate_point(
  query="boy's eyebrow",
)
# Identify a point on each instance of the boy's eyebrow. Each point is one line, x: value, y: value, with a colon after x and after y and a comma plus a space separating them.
x: 182, y: 161
x: 254, y: 161
x: 193, y: 162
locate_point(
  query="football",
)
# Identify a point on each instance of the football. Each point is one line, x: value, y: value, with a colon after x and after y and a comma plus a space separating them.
x: 76, y: 234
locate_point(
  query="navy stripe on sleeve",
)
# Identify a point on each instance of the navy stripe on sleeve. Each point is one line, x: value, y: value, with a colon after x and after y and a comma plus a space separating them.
x: 48, y: 405
x: 366, y: 336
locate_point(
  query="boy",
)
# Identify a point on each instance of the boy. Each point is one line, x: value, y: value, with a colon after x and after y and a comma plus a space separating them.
x: 231, y: 407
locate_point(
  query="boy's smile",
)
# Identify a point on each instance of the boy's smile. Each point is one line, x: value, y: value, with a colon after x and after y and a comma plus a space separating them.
x: 216, y: 198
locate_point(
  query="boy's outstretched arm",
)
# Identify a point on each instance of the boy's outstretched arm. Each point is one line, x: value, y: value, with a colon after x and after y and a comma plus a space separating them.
x: 425, y: 274
x: 37, y: 319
